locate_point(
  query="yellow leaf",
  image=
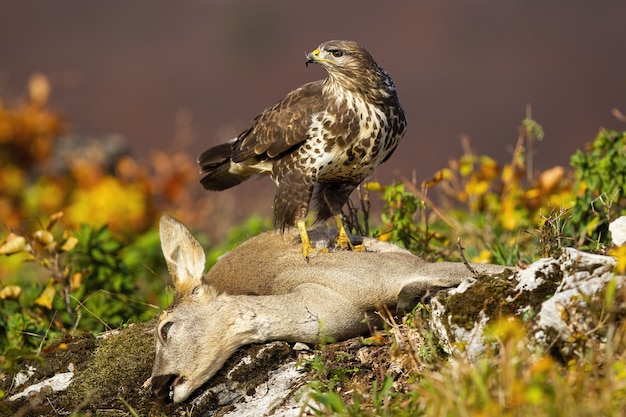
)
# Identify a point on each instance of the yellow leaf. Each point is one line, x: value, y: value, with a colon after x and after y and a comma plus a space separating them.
x: 532, y: 193
x: 542, y: 365
x: 47, y: 296
x: 43, y: 237
x: 511, y: 222
x: 12, y: 180
x: 373, y: 186
x: 483, y: 258
x: 551, y: 178
x: 75, y: 280
x: 10, y: 292
x: 377, y: 339
x: 507, y: 329
x: 13, y: 244
x: 508, y: 173
x: 489, y: 168
x: 477, y: 187
x: 54, y: 219
x: 592, y: 225
x: 466, y: 165
x: 620, y: 370
x: 441, y: 175
x: 620, y: 254
x: 510, y: 217
x: 69, y: 244
x: 534, y: 395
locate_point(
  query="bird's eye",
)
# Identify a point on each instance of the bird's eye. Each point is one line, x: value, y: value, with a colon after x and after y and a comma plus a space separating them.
x: 336, y: 53
x: 164, y: 329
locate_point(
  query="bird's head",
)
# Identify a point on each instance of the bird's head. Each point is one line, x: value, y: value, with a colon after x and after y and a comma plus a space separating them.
x: 337, y: 55
x: 350, y: 66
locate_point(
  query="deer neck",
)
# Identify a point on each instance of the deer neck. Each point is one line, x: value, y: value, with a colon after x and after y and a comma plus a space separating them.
x: 285, y: 317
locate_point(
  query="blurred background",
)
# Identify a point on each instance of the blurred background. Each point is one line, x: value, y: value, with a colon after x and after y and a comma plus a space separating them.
x: 182, y: 76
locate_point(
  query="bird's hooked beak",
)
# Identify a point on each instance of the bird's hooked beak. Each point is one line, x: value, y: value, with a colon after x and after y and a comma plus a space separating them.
x: 312, y: 57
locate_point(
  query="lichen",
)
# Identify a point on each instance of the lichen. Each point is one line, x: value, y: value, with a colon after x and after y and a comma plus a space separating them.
x: 496, y: 296
x: 487, y: 294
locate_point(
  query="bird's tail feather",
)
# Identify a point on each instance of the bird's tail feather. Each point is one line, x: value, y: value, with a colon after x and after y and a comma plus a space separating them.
x: 219, y: 178
x: 215, y: 163
x: 216, y: 155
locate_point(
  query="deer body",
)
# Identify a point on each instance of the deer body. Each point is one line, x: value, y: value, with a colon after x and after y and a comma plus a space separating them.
x: 263, y: 290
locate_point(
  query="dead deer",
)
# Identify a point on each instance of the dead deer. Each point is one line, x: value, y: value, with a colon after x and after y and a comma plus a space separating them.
x: 262, y: 291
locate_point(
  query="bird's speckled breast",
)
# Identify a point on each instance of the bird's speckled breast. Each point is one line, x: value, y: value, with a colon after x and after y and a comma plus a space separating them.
x: 349, y: 141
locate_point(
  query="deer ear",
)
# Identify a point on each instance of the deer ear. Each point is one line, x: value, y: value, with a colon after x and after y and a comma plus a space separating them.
x: 183, y: 254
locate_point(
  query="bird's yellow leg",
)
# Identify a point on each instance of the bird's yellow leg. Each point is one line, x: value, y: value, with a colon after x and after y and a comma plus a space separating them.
x: 304, y: 237
x: 343, y: 241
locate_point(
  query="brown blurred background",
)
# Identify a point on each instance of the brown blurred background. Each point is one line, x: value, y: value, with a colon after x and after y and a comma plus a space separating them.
x: 190, y: 74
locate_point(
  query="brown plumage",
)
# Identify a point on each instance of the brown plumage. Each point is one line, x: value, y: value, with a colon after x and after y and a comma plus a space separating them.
x: 319, y: 142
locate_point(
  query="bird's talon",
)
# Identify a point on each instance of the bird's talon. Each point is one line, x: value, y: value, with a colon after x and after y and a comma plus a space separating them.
x: 307, y: 250
x: 358, y: 248
x: 344, y: 243
x: 311, y: 252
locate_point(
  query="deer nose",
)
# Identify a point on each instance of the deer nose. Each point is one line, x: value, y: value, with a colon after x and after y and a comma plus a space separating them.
x: 161, y: 385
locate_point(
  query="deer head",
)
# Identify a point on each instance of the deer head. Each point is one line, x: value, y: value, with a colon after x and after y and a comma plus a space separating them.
x: 189, y: 350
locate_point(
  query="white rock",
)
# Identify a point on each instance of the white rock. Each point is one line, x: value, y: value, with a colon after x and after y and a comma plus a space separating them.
x: 59, y: 382
x: 275, y: 396
x: 618, y: 231
x: 530, y: 278
x: 593, y: 272
x: 475, y: 345
x: 580, y: 276
x: 299, y: 347
x: 23, y: 376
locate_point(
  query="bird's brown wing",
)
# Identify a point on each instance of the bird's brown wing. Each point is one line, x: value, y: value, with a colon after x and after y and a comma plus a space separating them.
x: 281, y: 127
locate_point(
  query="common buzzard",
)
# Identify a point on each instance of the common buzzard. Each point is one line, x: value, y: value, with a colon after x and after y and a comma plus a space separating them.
x: 319, y: 142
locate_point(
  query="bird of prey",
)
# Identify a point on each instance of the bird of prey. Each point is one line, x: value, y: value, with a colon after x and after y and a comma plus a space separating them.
x: 319, y: 142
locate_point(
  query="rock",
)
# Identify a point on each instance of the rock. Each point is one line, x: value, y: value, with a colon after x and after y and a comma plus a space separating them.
x: 618, y: 231
x: 259, y: 377
x: 275, y: 395
x: 552, y: 295
x: 58, y: 382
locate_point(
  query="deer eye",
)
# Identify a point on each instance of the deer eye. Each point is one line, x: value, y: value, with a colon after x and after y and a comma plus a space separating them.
x: 164, y: 329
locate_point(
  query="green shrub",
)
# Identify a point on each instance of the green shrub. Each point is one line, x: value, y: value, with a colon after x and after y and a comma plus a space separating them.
x: 600, y: 189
